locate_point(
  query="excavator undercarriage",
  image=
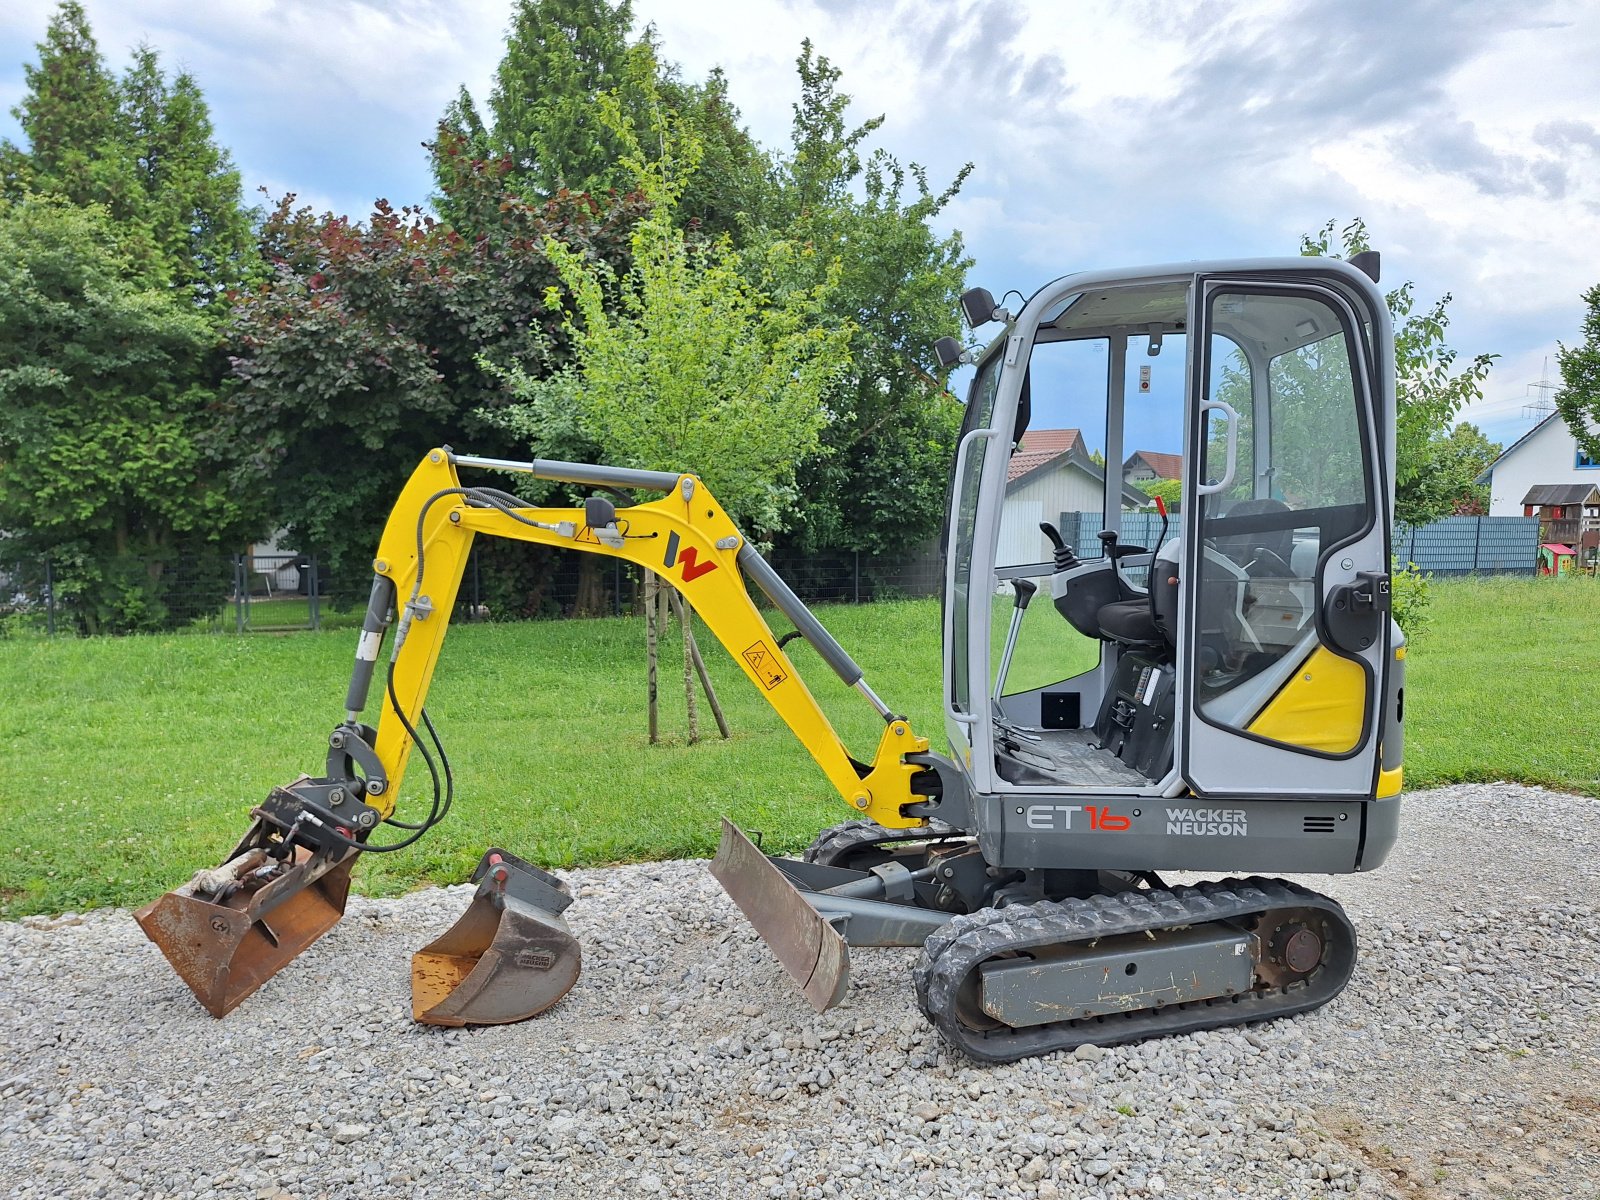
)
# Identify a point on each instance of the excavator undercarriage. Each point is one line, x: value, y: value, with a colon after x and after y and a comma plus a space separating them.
x: 1227, y: 701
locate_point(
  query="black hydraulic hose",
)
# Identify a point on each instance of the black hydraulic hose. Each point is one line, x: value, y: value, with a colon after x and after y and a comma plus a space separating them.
x: 435, y: 813
x: 449, y: 782
x: 494, y: 498
x: 443, y: 796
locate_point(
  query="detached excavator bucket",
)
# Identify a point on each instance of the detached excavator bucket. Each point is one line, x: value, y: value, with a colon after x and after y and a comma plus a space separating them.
x: 508, y: 958
x: 229, y: 930
x: 809, y: 948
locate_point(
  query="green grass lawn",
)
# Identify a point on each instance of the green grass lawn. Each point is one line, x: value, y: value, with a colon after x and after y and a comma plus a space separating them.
x: 125, y: 764
x: 1505, y: 684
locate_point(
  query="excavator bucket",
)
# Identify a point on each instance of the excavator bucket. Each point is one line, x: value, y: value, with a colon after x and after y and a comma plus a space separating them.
x: 229, y: 930
x: 508, y: 958
x: 809, y: 948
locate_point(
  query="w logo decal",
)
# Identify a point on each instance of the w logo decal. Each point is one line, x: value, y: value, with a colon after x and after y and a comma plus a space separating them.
x: 693, y: 568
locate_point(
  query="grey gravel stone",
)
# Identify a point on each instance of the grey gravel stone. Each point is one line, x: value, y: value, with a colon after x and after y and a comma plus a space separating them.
x: 1460, y: 1066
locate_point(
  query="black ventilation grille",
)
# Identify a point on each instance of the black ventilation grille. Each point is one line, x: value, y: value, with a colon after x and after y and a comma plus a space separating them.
x: 1320, y: 824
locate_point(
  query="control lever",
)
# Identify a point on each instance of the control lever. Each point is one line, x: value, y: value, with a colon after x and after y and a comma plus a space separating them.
x: 1064, y: 557
x: 1108, y: 539
x: 1025, y: 590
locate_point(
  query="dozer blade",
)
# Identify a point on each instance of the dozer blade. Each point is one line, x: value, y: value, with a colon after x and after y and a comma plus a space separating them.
x: 809, y: 948
x: 226, y: 946
x: 508, y: 958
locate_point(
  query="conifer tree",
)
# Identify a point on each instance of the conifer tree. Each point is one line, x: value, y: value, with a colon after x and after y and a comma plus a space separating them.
x: 192, y: 202
x: 72, y: 118
x: 143, y: 149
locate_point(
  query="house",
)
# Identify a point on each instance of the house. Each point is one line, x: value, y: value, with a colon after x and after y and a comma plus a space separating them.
x: 1050, y: 474
x: 1545, y: 473
x: 1144, y: 466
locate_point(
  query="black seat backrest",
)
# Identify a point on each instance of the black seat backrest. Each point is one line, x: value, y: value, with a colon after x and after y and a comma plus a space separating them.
x: 1164, y: 598
x: 1238, y: 546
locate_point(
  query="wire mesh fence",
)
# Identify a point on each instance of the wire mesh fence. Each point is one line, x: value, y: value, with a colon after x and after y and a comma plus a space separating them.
x: 273, y: 593
x: 258, y: 593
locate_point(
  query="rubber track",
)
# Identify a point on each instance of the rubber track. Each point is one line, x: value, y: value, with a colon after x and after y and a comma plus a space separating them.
x: 952, y: 953
x: 838, y: 841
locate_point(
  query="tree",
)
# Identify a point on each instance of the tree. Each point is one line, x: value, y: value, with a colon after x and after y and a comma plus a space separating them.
x: 699, y: 368
x: 71, y: 116
x: 1169, y: 490
x: 1427, y: 394
x: 102, y: 407
x: 1457, y: 461
x: 878, y: 482
x: 1578, y: 400
x: 143, y: 149
x: 366, y: 346
x: 192, y: 202
x: 561, y: 55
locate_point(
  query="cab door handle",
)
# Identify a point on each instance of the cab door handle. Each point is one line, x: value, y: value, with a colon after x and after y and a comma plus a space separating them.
x: 1355, y: 612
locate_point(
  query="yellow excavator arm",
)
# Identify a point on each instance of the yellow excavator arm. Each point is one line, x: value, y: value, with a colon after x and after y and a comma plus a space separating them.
x: 685, y: 537
x: 233, y: 927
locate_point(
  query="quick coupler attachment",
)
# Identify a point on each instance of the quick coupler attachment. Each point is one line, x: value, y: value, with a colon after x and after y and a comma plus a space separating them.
x: 233, y: 927
x: 508, y: 958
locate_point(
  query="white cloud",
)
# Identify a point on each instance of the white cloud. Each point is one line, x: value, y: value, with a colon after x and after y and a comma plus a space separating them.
x: 1464, y: 131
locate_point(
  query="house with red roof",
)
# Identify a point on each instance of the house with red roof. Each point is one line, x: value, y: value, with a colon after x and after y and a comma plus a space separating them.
x: 1051, y: 473
x: 1145, y: 466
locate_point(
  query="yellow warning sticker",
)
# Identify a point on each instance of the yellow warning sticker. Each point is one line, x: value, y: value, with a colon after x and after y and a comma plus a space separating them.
x: 587, y: 535
x: 766, y: 664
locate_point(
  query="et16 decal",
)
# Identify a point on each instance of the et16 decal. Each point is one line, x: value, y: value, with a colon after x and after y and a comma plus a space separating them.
x: 1059, y: 816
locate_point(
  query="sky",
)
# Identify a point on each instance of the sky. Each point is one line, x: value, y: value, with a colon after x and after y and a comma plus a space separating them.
x: 1466, y: 133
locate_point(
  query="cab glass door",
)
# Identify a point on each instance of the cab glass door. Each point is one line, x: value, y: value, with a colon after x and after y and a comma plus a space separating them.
x: 1286, y: 527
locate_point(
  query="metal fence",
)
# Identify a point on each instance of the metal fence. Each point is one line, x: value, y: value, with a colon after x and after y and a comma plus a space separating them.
x: 1471, y: 546
x: 1452, y: 546
x: 272, y: 593
x: 269, y: 593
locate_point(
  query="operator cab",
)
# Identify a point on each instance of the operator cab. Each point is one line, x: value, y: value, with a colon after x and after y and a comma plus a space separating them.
x: 1167, y: 569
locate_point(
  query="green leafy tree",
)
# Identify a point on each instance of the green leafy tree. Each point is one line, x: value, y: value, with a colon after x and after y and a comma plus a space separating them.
x: 699, y: 368
x: 1578, y: 400
x: 1428, y: 391
x: 71, y: 116
x: 366, y: 346
x: 1169, y: 490
x: 102, y: 409
x: 878, y: 482
x: 560, y: 55
x: 192, y: 202
x: 1458, y: 460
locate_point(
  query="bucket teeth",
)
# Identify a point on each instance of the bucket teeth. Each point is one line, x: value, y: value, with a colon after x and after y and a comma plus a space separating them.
x: 509, y: 957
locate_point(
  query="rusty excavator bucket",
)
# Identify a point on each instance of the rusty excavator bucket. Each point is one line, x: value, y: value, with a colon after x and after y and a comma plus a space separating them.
x: 230, y: 929
x: 508, y: 958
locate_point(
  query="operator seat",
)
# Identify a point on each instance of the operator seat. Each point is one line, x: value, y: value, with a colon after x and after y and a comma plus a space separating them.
x: 1149, y: 621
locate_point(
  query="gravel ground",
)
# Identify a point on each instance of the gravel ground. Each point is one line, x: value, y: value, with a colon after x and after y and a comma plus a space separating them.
x: 1463, y: 1060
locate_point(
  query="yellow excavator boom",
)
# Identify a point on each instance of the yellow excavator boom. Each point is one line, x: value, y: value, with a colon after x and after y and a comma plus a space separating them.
x: 689, y: 541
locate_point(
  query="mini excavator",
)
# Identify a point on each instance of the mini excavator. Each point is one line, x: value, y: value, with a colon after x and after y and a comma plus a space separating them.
x: 1227, y: 699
